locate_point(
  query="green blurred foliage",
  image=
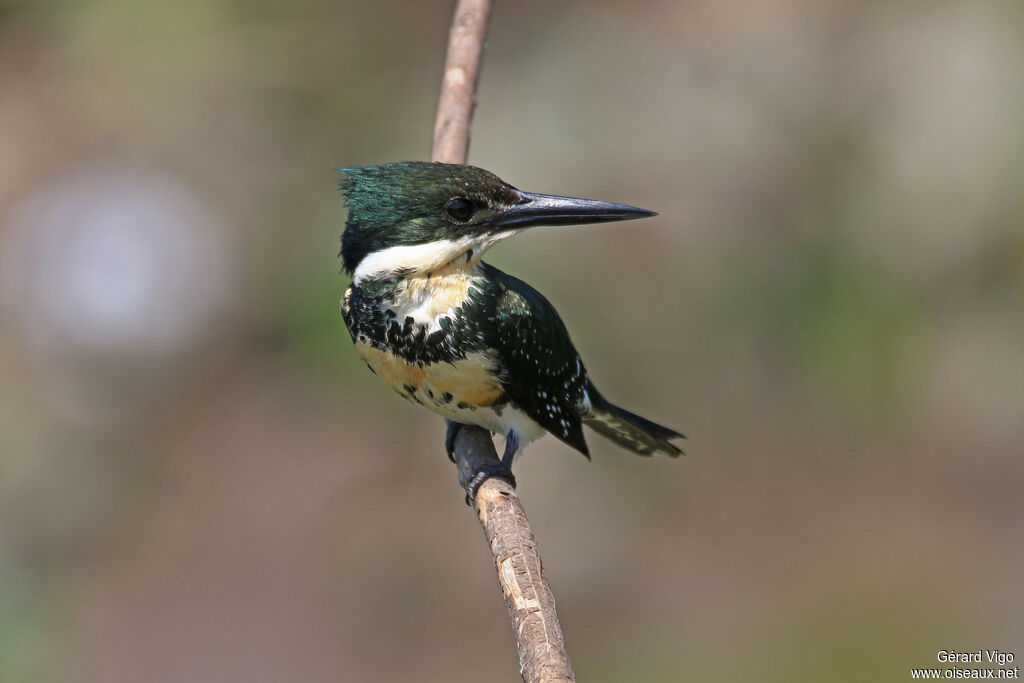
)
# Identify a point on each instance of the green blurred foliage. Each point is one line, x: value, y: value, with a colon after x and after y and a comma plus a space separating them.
x: 829, y: 305
x: 860, y: 337
x: 22, y: 638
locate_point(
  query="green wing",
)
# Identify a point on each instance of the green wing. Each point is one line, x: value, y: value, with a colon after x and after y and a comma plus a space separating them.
x: 541, y: 372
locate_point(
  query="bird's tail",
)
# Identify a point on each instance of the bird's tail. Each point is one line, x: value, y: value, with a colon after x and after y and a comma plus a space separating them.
x: 629, y: 430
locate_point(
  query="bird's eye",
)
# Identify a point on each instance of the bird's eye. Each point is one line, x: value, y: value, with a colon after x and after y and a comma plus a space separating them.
x: 459, y: 209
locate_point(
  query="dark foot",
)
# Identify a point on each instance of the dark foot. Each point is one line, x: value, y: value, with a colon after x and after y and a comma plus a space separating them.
x: 483, y: 475
x: 449, y: 438
x: 503, y: 469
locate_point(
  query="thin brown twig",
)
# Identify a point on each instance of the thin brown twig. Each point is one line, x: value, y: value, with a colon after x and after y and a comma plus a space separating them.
x: 530, y: 602
x: 455, y: 105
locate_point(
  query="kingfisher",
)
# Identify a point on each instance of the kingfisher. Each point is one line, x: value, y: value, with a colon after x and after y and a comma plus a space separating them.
x: 454, y: 334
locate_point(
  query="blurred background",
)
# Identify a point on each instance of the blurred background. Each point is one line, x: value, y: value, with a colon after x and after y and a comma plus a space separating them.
x: 199, y: 481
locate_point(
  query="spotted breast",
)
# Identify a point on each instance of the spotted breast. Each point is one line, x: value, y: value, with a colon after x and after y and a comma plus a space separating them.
x: 412, y: 333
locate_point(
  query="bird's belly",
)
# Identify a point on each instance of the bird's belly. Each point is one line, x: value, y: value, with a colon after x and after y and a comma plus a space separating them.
x: 501, y: 419
x: 447, y: 388
x: 466, y: 390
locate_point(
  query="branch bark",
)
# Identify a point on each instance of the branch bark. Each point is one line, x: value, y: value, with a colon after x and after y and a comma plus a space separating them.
x: 458, y: 85
x: 530, y: 602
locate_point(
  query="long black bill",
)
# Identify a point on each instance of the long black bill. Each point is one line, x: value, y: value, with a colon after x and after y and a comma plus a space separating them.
x: 547, y: 209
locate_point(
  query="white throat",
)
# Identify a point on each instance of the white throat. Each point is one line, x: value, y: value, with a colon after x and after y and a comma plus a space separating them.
x: 421, y: 259
x: 433, y: 279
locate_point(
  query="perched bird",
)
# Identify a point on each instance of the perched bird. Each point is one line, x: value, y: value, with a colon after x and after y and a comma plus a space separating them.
x: 458, y: 336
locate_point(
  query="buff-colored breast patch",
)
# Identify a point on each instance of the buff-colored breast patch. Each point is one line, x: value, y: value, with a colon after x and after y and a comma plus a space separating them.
x: 469, y: 381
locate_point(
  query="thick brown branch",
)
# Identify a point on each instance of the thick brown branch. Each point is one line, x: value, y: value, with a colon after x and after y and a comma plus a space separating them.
x: 531, y: 605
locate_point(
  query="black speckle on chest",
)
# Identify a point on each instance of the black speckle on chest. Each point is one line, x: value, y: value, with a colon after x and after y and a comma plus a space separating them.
x: 371, y: 320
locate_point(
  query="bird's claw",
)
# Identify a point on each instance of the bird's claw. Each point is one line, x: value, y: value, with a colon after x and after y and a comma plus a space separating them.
x: 483, y: 475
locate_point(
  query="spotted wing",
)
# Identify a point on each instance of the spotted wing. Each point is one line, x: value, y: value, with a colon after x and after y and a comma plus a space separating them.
x: 541, y: 372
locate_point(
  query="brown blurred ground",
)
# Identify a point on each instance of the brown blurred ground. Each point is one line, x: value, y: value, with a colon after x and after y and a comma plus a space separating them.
x: 199, y: 482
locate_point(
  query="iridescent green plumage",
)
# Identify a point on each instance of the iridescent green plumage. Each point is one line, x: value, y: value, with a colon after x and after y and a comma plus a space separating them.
x: 440, y: 326
x: 408, y: 198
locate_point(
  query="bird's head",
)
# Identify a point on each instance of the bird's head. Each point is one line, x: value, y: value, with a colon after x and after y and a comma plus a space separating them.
x: 415, y: 216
